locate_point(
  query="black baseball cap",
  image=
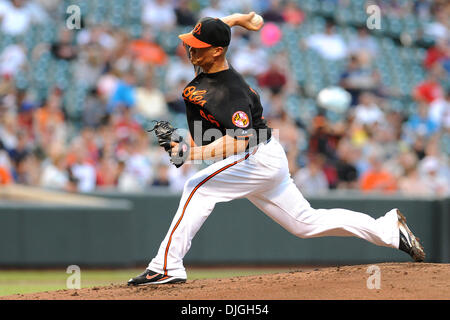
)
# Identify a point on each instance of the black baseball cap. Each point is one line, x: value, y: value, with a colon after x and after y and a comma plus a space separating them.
x: 208, y: 32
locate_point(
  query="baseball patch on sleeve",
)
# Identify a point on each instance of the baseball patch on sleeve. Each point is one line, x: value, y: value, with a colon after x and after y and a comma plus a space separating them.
x: 240, y: 119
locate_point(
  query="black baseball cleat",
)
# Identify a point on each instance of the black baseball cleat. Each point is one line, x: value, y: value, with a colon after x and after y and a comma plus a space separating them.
x: 408, y: 242
x: 150, y: 277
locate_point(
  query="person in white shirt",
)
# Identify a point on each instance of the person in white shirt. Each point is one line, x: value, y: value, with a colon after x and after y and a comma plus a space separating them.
x: 439, y: 29
x: 150, y: 101
x: 363, y: 42
x: 54, y: 174
x: 16, y: 16
x: 12, y: 58
x: 439, y: 111
x: 311, y: 179
x: 159, y: 14
x: 250, y: 60
x: 433, y: 171
x: 83, y: 171
x: 328, y: 45
x: 367, y: 112
x: 213, y: 10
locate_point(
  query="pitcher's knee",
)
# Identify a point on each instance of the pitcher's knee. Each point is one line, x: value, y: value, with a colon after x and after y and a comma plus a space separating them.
x: 304, y: 225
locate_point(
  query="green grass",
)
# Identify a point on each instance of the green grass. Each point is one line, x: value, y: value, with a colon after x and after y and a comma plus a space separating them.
x: 29, y: 281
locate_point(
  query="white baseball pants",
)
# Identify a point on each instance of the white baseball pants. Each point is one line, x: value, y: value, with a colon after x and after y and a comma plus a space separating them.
x: 263, y: 178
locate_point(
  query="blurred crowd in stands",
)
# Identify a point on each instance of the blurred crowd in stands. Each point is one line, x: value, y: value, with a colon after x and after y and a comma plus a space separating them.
x: 371, y: 148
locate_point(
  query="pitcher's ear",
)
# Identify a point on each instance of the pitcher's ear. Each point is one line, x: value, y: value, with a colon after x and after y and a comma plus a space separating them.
x: 218, y: 51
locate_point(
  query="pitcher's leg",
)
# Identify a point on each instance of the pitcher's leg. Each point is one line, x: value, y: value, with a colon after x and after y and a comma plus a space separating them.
x: 286, y: 205
x: 216, y: 183
x: 192, y: 212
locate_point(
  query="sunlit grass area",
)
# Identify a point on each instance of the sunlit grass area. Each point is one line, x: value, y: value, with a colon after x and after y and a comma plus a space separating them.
x: 29, y: 281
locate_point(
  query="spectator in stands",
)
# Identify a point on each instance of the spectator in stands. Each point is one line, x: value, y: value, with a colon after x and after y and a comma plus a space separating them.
x: 8, y: 130
x: 439, y: 111
x: 125, y: 127
x: 346, y: 170
x: 175, y: 102
x: 252, y: 59
x: 162, y: 176
x: 422, y: 8
x: 5, y: 176
x: 411, y: 182
x: 147, y: 50
x: 359, y: 76
x: 63, y: 48
x: 287, y: 131
x: 367, y: 111
x: 94, y: 111
x: 138, y: 167
x: 100, y: 35
x: 27, y: 170
x: 439, y: 28
x: 25, y: 116
x: 49, y: 120
x: 437, y: 183
x: 430, y: 89
x: 377, y: 179
x: 150, y: 101
x: 125, y: 93
x: 213, y: 10
x: 363, y: 42
x: 21, y: 149
x: 89, y: 66
x: 322, y: 138
x: 107, y: 85
x: 329, y: 45
x: 420, y: 123
x: 438, y: 53
x: 88, y: 138
x: 158, y: 14
x: 5, y: 166
x: 418, y: 146
x: 232, y: 6
x: 17, y: 16
x: 179, y: 69
x: 82, y: 170
x: 274, y: 13
x: 274, y: 78
x: 185, y: 15
x: 292, y: 14
x: 107, y: 173
x: 54, y: 172
x: 311, y: 179
x: 12, y: 59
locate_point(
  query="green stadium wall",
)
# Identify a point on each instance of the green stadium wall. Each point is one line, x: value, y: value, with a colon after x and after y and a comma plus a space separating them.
x: 129, y: 231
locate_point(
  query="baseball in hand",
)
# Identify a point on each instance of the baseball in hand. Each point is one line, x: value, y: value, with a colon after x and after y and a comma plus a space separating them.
x: 257, y: 20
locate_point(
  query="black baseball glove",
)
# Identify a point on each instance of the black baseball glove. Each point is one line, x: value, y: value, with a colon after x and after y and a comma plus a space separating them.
x: 166, y: 134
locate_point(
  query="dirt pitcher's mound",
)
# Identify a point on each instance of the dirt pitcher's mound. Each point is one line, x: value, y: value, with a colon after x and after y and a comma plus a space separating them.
x: 388, y: 281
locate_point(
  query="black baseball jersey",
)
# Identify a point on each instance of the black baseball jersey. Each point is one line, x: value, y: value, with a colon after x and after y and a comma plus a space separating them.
x: 223, y: 103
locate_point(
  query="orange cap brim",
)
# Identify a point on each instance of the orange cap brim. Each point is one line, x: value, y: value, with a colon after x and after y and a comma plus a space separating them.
x: 192, y: 41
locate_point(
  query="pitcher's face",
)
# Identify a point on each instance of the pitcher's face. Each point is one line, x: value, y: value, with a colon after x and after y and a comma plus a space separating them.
x: 204, y: 57
x: 200, y: 56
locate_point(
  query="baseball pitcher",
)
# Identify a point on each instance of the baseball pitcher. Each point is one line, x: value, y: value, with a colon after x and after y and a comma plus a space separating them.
x: 224, y: 116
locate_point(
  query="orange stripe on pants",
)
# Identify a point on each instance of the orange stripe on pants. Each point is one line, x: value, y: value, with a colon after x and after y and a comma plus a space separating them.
x: 189, y: 199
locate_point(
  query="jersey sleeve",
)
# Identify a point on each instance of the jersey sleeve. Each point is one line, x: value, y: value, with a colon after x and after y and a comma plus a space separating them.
x: 237, y: 119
